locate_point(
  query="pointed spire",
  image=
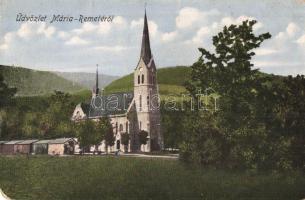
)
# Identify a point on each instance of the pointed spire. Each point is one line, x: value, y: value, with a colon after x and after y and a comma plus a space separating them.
x: 96, y: 81
x: 145, y: 48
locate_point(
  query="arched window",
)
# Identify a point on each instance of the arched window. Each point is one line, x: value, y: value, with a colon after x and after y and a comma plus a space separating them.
x: 116, y: 127
x: 140, y: 99
x: 140, y: 125
x: 121, y: 127
x: 126, y: 127
x: 142, y: 78
x: 148, y: 105
x: 138, y: 79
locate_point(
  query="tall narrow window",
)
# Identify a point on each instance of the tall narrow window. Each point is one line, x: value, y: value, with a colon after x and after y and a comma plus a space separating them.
x: 148, y: 105
x: 121, y: 127
x: 140, y: 99
x: 126, y: 127
x: 116, y: 127
x: 142, y: 78
x: 140, y: 125
x: 138, y: 79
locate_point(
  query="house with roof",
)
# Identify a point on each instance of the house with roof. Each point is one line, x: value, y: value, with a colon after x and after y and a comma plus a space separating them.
x: 132, y: 111
x: 1, y: 145
x: 25, y: 147
x: 41, y: 147
x: 10, y: 147
x: 61, y: 146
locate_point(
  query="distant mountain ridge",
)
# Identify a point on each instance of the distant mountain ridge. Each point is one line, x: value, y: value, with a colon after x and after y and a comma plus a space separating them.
x: 87, y: 80
x: 171, y: 80
x: 31, y: 82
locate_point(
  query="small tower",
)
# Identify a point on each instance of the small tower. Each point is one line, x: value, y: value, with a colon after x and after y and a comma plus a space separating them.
x: 146, y: 93
x: 95, y: 89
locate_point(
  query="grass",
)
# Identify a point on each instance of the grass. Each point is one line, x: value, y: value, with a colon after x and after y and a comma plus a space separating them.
x: 43, y: 177
x: 170, y: 80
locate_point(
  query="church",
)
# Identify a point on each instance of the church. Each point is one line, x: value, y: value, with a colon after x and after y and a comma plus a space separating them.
x: 130, y: 112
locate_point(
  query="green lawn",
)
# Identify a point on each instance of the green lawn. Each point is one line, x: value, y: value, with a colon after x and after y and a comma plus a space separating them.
x: 137, y: 178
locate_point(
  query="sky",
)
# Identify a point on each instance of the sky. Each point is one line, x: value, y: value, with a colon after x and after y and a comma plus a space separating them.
x: 177, y: 29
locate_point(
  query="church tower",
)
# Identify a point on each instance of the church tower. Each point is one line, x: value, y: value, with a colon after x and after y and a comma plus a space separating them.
x: 146, y: 94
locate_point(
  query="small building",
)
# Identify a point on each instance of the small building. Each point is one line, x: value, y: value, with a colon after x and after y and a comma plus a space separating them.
x: 62, y: 146
x: 41, y: 147
x: 1, y: 145
x: 10, y: 147
x: 25, y: 147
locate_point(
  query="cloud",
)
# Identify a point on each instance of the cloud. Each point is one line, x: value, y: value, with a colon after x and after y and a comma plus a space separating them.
x: 152, y: 26
x: 227, y: 21
x: 116, y: 48
x: 76, y: 41
x: 187, y: 16
x: 170, y: 36
x: 202, y: 33
x: 265, y: 51
x: 292, y: 29
x: 116, y: 45
x: 301, y: 40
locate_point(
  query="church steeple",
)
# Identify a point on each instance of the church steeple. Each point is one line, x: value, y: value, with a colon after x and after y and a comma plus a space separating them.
x: 145, y: 47
x: 96, y: 87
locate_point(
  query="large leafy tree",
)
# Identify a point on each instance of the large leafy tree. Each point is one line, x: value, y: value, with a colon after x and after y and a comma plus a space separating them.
x: 229, y: 71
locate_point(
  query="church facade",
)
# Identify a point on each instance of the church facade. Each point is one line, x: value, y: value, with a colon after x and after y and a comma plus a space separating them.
x: 130, y: 112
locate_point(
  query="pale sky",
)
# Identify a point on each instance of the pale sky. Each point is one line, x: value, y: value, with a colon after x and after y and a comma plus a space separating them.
x: 177, y: 28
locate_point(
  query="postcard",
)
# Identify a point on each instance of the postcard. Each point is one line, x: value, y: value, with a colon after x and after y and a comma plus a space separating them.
x: 152, y: 99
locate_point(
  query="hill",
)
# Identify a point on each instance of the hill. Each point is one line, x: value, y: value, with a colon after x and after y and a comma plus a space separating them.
x: 32, y: 82
x: 170, y: 79
x: 86, y: 80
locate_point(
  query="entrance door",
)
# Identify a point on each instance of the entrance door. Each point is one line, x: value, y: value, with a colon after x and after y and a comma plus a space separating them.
x: 118, y: 144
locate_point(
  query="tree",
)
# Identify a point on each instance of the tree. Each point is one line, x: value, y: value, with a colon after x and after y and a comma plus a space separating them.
x: 6, y: 97
x: 143, y: 137
x: 125, y: 140
x: 87, y: 134
x: 172, y: 127
x: 6, y: 93
x: 230, y: 73
x: 108, y: 133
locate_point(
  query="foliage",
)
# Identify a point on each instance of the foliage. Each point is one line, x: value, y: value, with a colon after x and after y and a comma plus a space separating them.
x: 38, y: 117
x: 86, y: 133
x: 109, y: 137
x: 125, y: 139
x: 6, y: 93
x: 172, y: 127
x: 143, y: 137
x: 261, y: 118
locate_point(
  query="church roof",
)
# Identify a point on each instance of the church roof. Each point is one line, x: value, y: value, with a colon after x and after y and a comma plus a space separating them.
x: 113, y: 104
x: 85, y: 107
x: 60, y: 140
x: 145, y: 48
